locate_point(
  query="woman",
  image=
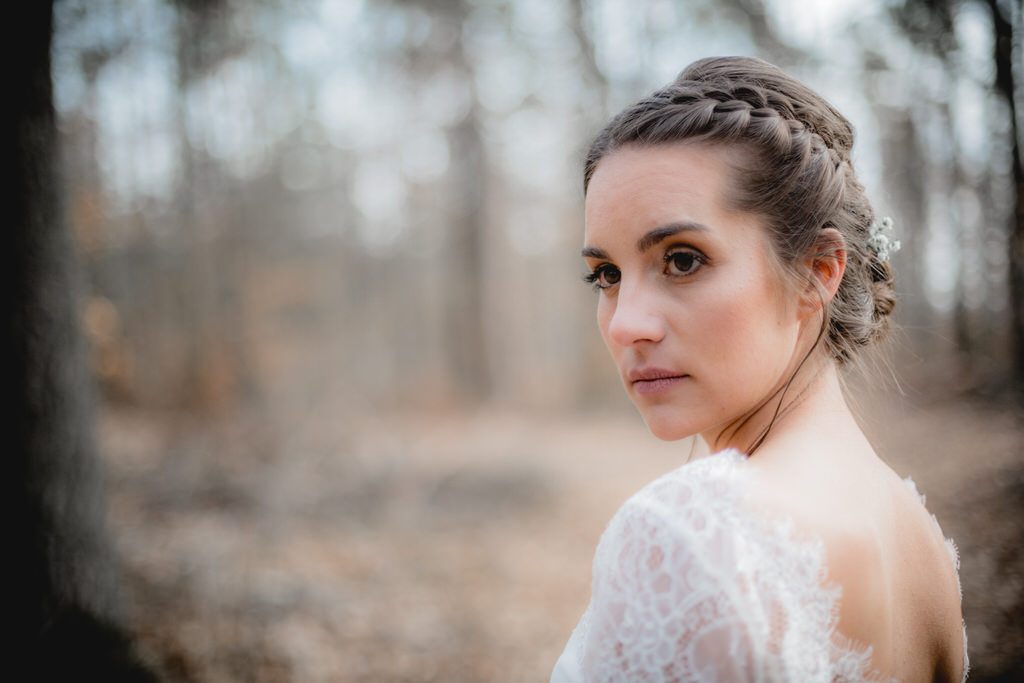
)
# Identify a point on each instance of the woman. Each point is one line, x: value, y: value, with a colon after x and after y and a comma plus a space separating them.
x: 739, y: 268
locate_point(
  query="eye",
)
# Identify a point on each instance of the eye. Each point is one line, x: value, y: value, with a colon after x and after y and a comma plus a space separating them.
x: 604, y: 276
x: 683, y: 262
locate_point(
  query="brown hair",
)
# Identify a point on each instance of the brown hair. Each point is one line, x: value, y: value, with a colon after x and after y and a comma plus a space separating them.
x: 796, y: 174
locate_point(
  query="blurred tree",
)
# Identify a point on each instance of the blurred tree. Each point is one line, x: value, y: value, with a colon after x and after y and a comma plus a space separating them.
x: 903, y: 160
x: 465, y: 346
x: 1003, y: 28
x: 931, y: 25
x: 594, y: 96
x: 770, y: 45
x: 203, y: 41
x: 62, y: 564
x: 465, y: 323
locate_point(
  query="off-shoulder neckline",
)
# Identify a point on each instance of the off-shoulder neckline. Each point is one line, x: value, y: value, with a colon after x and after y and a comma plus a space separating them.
x: 853, y: 656
x: 783, y: 522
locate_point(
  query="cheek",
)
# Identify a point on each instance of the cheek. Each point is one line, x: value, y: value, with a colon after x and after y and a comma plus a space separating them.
x: 605, y: 310
x: 743, y: 328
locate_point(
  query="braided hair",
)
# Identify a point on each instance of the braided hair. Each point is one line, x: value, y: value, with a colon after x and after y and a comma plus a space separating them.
x: 796, y: 174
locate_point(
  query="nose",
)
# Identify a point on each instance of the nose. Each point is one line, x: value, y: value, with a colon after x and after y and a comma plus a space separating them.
x: 635, y: 318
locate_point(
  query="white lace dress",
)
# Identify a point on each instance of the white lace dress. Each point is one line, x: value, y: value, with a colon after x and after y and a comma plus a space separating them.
x: 687, y: 586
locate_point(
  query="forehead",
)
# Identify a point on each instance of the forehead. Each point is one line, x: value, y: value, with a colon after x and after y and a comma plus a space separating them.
x: 638, y: 188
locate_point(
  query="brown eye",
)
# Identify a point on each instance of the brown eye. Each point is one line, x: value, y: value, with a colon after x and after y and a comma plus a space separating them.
x: 609, y: 275
x: 604, y: 276
x: 683, y: 262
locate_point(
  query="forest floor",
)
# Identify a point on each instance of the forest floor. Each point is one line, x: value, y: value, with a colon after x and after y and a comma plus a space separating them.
x: 457, y: 548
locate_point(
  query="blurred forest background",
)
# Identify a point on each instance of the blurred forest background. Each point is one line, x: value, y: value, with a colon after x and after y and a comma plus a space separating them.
x: 356, y: 420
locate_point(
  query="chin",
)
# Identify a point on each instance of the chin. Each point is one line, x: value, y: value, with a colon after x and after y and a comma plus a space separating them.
x: 668, y: 427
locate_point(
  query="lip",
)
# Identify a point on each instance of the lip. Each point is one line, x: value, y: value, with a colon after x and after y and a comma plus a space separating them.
x: 654, y: 380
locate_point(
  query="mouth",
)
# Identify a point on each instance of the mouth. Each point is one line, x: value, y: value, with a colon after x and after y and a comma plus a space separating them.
x: 648, y: 381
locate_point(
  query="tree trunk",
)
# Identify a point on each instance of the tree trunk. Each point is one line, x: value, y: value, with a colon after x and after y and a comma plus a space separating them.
x: 1003, y: 55
x: 62, y: 577
x: 465, y: 321
x: 903, y: 165
x: 594, y: 100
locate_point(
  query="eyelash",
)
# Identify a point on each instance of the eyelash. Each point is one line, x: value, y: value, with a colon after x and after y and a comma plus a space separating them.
x: 594, y: 277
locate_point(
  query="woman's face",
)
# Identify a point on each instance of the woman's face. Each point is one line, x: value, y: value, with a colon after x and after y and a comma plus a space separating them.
x: 689, y: 303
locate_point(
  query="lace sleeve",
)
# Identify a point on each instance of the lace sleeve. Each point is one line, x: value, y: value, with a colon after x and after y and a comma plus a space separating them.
x: 687, y: 586
x: 670, y: 601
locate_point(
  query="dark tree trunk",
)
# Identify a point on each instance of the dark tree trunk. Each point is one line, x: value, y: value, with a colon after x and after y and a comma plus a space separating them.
x: 1007, y: 88
x: 62, y: 578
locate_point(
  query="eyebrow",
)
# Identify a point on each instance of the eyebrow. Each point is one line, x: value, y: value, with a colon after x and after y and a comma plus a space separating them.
x: 665, y: 231
x: 651, y: 238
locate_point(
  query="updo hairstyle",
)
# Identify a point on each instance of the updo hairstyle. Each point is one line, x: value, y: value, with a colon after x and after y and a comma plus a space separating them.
x: 794, y: 171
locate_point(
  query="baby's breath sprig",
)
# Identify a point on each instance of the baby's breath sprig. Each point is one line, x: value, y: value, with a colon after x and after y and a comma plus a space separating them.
x: 879, y: 242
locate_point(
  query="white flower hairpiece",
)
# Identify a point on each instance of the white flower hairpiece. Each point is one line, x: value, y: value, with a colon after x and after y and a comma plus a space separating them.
x: 879, y: 242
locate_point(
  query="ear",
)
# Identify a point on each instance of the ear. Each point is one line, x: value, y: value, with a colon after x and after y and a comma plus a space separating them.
x: 825, y: 264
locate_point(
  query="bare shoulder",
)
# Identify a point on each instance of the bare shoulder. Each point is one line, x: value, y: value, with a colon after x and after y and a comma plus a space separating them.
x: 846, y: 508
x: 883, y: 548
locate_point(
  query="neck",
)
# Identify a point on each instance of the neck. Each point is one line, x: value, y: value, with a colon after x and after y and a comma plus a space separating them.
x: 813, y: 400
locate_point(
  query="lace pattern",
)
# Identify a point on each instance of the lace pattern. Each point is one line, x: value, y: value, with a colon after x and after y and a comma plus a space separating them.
x: 688, y: 586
